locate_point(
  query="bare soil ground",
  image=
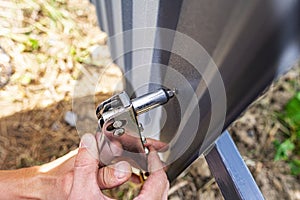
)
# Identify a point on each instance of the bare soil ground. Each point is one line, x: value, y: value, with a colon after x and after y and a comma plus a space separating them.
x: 46, y: 46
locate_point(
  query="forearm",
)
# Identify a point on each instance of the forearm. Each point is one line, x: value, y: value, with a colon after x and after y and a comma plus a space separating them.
x: 20, y: 184
x: 49, y: 181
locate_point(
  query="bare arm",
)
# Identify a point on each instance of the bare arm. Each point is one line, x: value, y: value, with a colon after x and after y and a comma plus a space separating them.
x: 51, y: 180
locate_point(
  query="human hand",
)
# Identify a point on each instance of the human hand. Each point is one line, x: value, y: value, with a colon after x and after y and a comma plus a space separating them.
x: 59, y: 179
x: 86, y: 178
x: 77, y: 176
x: 156, y: 186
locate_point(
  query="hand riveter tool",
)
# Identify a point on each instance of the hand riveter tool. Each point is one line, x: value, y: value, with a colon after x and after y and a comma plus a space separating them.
x: 117, y: 118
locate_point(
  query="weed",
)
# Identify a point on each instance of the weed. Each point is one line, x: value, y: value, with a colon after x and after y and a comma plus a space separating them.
x: 289, y: 149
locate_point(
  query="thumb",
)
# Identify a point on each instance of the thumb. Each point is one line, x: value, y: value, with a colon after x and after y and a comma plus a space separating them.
x: 86, y: 167
x: 88, y: 152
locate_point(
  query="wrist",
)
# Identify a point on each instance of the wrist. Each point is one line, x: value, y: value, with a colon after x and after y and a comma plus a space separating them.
x: 51, y: 186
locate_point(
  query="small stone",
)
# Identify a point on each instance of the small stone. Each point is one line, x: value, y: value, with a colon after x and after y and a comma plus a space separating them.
x: 55, y: 126
x: 70, y: 118
x: 99, y: 53
x: 246, y: 138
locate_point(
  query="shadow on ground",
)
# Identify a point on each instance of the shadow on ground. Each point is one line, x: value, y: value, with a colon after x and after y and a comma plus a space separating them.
x: 37, y: 136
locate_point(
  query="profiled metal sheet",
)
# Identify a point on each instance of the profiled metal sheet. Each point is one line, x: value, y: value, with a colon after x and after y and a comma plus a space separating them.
x: 220, y: 55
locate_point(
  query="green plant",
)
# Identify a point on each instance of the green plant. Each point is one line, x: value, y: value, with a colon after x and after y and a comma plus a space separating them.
x: 289, y: 149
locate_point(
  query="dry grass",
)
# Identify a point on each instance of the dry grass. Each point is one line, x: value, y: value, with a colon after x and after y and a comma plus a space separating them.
x: 47, y: 42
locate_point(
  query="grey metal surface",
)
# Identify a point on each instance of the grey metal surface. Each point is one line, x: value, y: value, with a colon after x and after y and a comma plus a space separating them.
x: 245, y: 44
x: 229, y: 170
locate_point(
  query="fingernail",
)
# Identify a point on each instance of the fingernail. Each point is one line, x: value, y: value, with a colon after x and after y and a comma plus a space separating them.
x: 121, y: 169
x: 88, y: 141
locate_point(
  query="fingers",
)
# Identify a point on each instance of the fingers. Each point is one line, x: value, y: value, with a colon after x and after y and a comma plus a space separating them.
x: 114, y: 175
x: 87, y: 166
x: 157, y: 185
x: 154, y: 162
x: 157, y: 145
